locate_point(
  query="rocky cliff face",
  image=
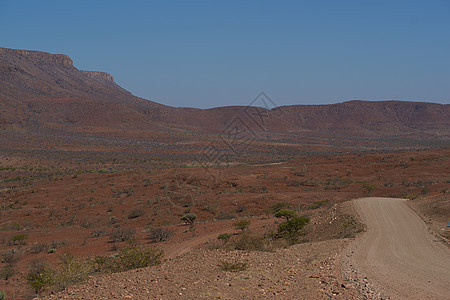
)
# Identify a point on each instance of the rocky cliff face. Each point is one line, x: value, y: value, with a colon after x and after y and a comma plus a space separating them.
x: 98, y: 75
x: 36, y: 56
x: 27, y: 75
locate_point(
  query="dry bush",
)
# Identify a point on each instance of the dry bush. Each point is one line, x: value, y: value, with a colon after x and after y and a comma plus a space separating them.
x: 72, y: 270
x: 39, y: 276
x: 242, y: 224
x: 159, y: 234
x: 98, y: 233
x: 248, y: 241
x: 135, y: 213
x: 38, y: 248
x: 122, y: 234
x: 10, y: 257
x: 233, y: 266
x: 136, y: 256
x: 7, y: 272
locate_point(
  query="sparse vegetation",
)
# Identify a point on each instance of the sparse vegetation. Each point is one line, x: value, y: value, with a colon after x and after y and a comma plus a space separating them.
x: 19, y: 239
x: 89, y: 207
x: 233, y: 266
x: 318, y: 204
x: 73, y: 270
x: 410, y: 196
x: 136, y: 256
x: 135, y: 213
x: 189, y: 218
x: 39, y: 276
x: 122, y: 234
x: 278, y: 206
x: 224, y: 237
x: 292, y: 226
x: 159, y: 234
x: 242, y: 224
x: 7, y: 272
x: 286, y: 213
x: 369, y: 187
x: 38, y: 248
x: 248, y: 241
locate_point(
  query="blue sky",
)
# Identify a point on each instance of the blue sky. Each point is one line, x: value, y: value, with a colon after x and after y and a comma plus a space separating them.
x: 217, y: 53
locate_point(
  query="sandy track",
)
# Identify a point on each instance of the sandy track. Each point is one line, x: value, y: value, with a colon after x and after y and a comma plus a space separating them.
x: 398, y: 254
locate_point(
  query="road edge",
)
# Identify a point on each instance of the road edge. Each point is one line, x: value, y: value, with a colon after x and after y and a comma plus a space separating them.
x: 353, y: 274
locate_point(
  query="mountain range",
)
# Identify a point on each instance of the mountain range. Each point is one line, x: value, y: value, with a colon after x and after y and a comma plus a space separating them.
x: 40, y: 90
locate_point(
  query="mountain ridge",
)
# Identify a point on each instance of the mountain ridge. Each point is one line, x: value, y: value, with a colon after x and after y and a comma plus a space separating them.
x: 46, y: 89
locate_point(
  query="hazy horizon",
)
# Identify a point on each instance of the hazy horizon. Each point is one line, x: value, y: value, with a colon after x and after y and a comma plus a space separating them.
x: 209, y: 54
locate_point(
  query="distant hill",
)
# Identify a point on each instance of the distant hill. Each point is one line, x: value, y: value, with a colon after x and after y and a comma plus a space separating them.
x: 42, y: 90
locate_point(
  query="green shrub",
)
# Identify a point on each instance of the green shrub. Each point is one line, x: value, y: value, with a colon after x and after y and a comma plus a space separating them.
x: 102, y: 264
x: 278, y: 206
x: 369, y: 187
x: 72, y: 270
x: 224, y: 237
x: 285, y: 213
x: 19, y: 239
x: 233, y: 266
x: 411, y: 196
x: 189, y: 218
x: 2, y: 295
x: 242, y: 224
x: 135, y: 256
x: 250, y: 242
x: 292, y: 226
x: 39, y: 276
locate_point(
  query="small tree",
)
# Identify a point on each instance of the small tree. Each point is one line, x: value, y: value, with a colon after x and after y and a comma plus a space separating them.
x: 293, y: 225
x: 242, y: 224
x: 39, y: 276
x: 276, y: 207
x: 286, y: 213
x: 189, y: 218
x: 224, y: 237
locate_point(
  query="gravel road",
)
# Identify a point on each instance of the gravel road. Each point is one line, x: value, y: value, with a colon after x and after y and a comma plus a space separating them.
x: 397, y: 254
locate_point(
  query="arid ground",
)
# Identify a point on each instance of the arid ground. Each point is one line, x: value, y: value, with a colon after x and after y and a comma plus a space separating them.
x: 88, y: 171
x: 80, y: 213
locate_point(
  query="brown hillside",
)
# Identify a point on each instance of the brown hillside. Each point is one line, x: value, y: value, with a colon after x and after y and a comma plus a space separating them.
x: 45, y: 90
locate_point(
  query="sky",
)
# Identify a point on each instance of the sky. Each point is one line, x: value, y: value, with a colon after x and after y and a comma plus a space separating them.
x: 219, y: 53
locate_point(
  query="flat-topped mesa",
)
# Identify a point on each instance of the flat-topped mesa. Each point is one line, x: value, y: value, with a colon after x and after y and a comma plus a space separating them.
x: 98, y: 75
x: 37, y: 56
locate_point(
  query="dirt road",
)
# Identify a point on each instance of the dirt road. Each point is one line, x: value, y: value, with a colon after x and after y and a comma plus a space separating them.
x: 398, y: 254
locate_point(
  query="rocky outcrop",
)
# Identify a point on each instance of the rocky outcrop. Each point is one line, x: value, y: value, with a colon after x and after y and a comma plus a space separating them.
x: 98, y: 75
x: 36, y: 56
